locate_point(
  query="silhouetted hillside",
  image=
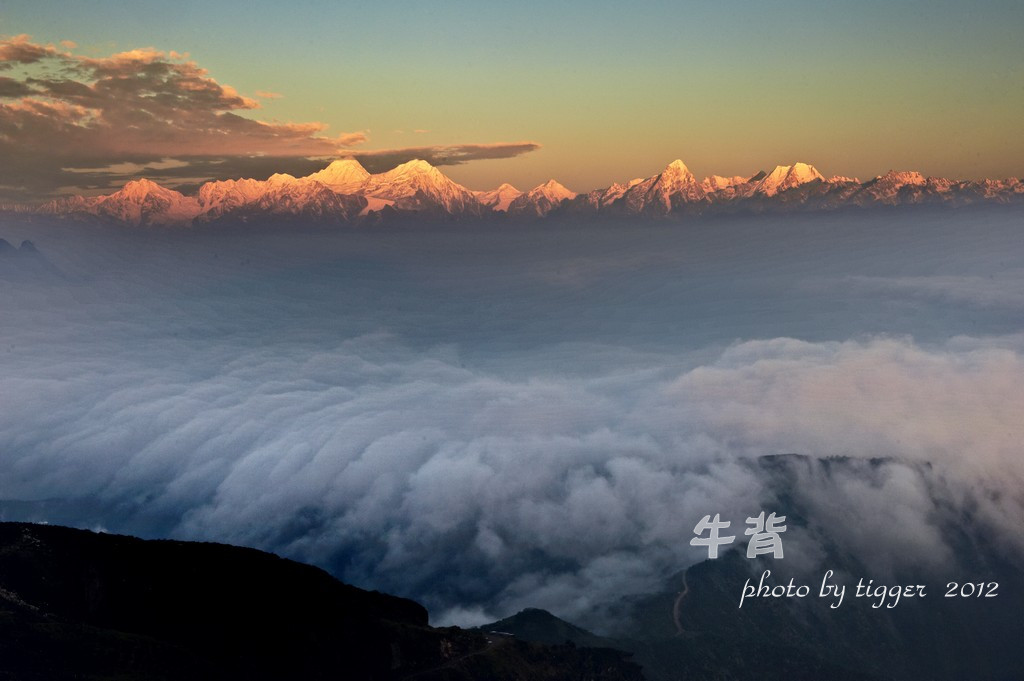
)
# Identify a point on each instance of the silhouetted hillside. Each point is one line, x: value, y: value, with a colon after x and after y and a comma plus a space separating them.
x: 75, y: 604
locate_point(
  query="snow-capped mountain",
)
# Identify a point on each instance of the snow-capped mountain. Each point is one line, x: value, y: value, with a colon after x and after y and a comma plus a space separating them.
x: 419, y: 186
x: 786, y: 177
x: 345, y: 192
x: 894, y: 187
x: 718, y: 188
x: 333, y: 191
x: 716, y: 183
x: 669, y: 190
x: 310, y: 199
x: 999, y: 189
x: 600, y: 199
x: 800, y: 186
x: 218, y: 198
x: 139, y: 202
x: 498, y: 199
x: 344, y: 176
x: 541, y: 200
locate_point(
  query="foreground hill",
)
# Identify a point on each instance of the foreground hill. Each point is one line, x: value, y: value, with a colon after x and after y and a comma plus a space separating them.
x: 80, y: 605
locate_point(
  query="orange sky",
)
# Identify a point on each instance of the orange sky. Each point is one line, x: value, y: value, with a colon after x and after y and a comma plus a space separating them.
x: 588, y: 93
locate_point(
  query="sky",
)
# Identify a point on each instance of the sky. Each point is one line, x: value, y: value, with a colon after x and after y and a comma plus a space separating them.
x: 589, y: 93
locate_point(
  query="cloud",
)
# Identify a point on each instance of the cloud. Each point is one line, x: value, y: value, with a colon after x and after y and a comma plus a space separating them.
x: 156, y: 392
x: 181, y: 171
x: 265, y: 94
x: 143, y: 105
x: 20, y: 50
x: 10, y: 87
x: 986, y: 291
x: 137, y: 107
x: 443, y: 155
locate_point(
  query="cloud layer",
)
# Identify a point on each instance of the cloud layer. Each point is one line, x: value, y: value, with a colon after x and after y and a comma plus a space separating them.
x: 432, y: 415
x: 405, y: 471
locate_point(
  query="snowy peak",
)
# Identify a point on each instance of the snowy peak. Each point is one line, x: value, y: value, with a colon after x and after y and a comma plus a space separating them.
x: 418, y: 186
x: 500, y: 198
x: 775, y: 178
x: 144, y: 202
x: 309, y: 199
x: 416, y: 168
x: 715, y: 183
x: 344, y: 175
x: 414, y: 173
x: 787, y: 177
x: 897, y: 186
x: 553, y: 191
x: 141, y: 188
x: 541, y: 200
x: 416, y: 165
x: 676, y: 175
x: 664, y: 192
x: 222, y: 196
x: 677, y: 166
x: 677, y: 169
x: 142, y: 191
x: 278, y: 179
x: 803, y: 172
x: 901, y: 178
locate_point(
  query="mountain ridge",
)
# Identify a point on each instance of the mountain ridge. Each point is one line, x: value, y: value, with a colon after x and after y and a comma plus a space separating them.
x: 345, y: 192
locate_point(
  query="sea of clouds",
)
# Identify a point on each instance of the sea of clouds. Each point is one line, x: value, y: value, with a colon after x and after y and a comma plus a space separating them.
x: 487, y: 421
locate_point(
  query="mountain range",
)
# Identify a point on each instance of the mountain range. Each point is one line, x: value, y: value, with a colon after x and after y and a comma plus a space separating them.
x: 344, y: 192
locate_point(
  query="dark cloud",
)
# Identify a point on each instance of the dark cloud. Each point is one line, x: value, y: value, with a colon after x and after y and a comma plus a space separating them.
x: 186, y: 173
x: 73, y: 113
x: 9, y: 87
x: 457, y: 154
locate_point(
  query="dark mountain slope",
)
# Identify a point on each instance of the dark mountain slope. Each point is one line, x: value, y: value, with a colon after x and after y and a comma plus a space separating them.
x: 75, y: 604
